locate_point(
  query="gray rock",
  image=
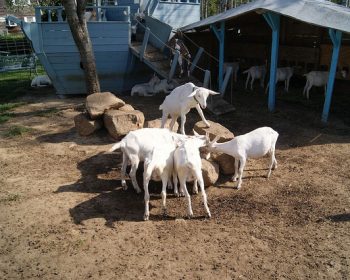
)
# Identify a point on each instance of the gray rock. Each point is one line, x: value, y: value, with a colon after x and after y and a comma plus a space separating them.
x: 213, y: 130
x: 157, y: 122
x: 210, y: 171
x: 85, y: 126
x: 120, y: 123
x: 226, y: 163
x: 126, y: 108
x: 97, y: 103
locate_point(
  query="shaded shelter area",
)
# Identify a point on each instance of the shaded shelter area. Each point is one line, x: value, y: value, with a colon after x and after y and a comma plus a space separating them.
x: 308, y: 35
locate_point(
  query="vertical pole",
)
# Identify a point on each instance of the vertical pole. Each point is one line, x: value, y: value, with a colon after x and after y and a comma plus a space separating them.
x: 144, y: 43
x: 274, y: 21
x: 220, y: 35
x: 336, y: 39
x: 221, y: 55
x: 173, y: 65
x: 228, y: 75
x: 196, y: 59
x: 206, y: 79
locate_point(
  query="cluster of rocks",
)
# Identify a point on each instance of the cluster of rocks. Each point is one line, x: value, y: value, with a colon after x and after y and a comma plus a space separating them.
x: 106, y: 110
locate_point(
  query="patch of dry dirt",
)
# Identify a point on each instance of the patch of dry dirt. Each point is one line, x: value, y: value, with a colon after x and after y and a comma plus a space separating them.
x: 63, y: 214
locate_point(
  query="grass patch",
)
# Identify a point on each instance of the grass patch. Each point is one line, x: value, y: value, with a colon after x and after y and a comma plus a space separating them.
x: 11, y: 197
x: 5, y: 117
x: 17, y: 130
x: 47, y: 113
x: 9, y: 106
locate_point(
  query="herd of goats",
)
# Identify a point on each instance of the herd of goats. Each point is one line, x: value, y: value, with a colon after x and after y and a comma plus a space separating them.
x: 170, y: 157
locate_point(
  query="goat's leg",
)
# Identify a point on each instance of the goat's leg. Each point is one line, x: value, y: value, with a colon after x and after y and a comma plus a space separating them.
x: 235, y: 176
x: 195, y: 186
x: 200, y: 112
x: 175, y: 181
x: 247, y: 80
x: 251, y: 83
x: 242, y: 161
x: 165, y: 179
x: 267, y: 87
x: 123, y: 171
x: 305, y: 87
x: 173, y: 121
x: 134, y: 165
x: 308, y: 91
x: 187, y: 195
x: 199, y: 177
x: 164, y: 118
x: 146, y: 178
x: 273, y: 162
x: 183, y: 121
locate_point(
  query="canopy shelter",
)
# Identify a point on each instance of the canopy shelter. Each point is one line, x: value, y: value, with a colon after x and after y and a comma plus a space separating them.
x: 317, y: 13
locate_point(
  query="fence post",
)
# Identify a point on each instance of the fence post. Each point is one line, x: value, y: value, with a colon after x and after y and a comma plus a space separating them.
x: 173, y: 65
x: 206, y: 79
x: 37, y: 14
x: 196, y: 59
x: 228, y: 75
x: 144, y: 44
x: 59, y: 16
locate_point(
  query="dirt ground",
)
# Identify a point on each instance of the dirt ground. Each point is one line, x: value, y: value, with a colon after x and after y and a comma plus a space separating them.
x: 63, y: 214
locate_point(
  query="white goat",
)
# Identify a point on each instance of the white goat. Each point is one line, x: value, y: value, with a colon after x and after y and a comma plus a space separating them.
x: 283, y: 74
x: 188, y: 166
x: 255, y: 72
x: 235, y: 68
x: 146, y: 89
x: 254, y: 144
x: 315, y: 78
x: 138, y: 145
x: 158, y: 166
x: 41, y: 81
x: 180, y: 101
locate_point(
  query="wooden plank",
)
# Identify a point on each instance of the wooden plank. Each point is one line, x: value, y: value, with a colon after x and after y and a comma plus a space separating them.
x: 97, y: 48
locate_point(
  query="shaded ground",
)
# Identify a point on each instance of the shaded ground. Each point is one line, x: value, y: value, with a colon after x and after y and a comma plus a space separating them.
x: 63, y: 214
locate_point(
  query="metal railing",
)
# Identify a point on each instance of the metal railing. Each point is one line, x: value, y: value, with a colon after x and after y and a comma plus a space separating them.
x: 92, y: 13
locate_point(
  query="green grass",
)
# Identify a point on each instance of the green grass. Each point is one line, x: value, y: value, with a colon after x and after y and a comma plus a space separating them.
x: 15, y: 84
x: 4, y: 115
x: 47, y: 113
x: 17, y: 130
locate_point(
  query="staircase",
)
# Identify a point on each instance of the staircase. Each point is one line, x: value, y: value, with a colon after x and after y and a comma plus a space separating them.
x: 160, y: 64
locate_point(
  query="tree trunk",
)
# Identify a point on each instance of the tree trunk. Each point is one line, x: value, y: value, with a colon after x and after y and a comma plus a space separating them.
x: 75, y: 12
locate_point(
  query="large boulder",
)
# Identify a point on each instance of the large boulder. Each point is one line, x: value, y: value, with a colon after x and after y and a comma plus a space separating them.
x: 126, y: 108
x: 85, y: 126
x: 226, y: 163
x: 213, y: 130
x: 97, y: 103
x: 119, y: 123
x: 210, y: 171
x: 157, y: 122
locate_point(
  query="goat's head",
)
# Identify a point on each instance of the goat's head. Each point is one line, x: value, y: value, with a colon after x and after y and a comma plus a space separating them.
x: 200, y: 95
x: 203, y: 142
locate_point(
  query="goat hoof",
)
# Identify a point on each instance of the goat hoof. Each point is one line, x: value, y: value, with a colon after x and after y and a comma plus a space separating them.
x: 234, y: 179
x: 146, y: 217
x: 208, y: 215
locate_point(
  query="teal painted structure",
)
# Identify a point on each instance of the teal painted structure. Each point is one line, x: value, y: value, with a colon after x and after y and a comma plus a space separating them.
x: 220, y: 35
x: 273, y: 20
x: 110, y: 34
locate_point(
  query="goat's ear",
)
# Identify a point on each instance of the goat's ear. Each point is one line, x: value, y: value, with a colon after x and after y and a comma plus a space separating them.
x: 211, y: 92
x: 195, y: 133
x: 193, y: 93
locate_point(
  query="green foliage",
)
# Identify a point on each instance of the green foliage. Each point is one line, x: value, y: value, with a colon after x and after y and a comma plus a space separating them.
x: 17, y: 130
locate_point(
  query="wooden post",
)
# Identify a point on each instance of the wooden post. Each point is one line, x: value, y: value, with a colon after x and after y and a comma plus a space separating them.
x: 206, y: 79
x: 196, y: 59
x: 274, y: 21
x: 144, y: 43
x: 228, y: 75
x: 336, y: 40
x: 173, y: 65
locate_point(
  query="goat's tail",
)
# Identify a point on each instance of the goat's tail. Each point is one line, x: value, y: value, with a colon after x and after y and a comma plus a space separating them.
x: 115, y: 147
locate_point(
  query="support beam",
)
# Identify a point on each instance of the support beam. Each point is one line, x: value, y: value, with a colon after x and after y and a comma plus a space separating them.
x: 220, y: 35
x: 206, y: 79
x: 173, y: 65
x: 274, y: 21
x: 144, y: 43
x: 228, y: 75
x: 196, y: 59
x: 335, y: 36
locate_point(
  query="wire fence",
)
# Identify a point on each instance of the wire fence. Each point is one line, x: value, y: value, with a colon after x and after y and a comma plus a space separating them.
x: 18, y: 65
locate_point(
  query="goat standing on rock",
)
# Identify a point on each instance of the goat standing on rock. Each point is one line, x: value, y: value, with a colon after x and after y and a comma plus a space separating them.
x: 180, y: 101
x: 254, y: 144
